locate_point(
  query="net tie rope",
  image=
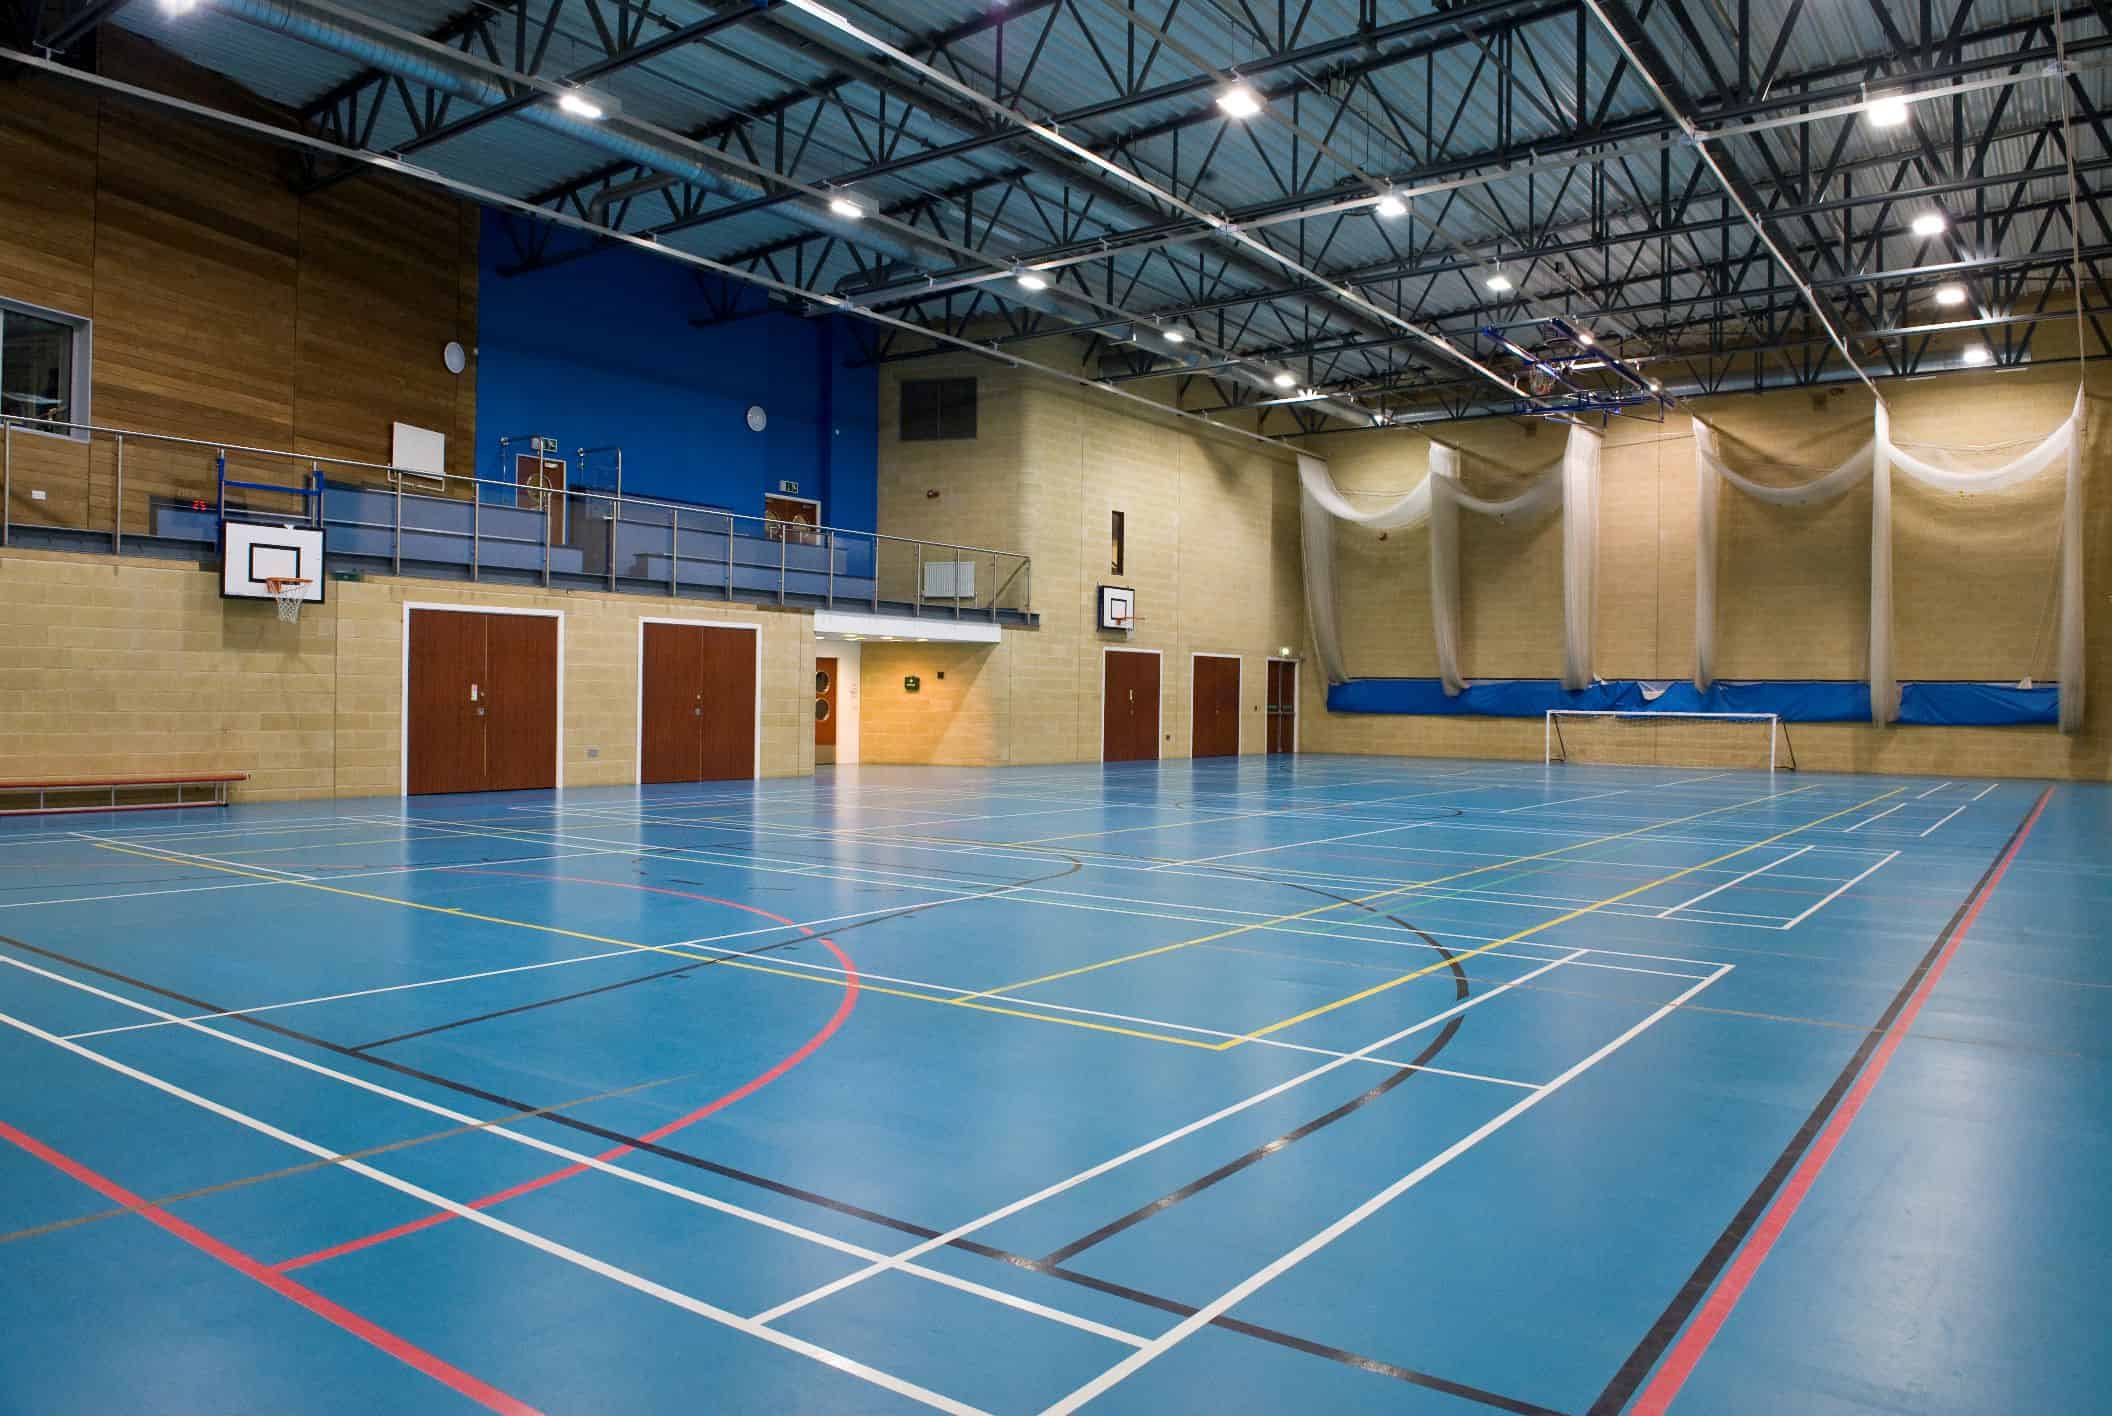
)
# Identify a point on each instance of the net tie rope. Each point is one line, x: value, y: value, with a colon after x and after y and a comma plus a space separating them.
x: 1570, y: 484
x: 1927, y: 465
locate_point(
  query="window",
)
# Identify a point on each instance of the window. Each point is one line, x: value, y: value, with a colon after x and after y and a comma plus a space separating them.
x: 937, y: 410
x: 1115, y: 546
x: 43, y: 368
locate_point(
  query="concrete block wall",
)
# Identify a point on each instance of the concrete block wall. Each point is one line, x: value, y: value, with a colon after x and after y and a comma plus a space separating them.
x: 1211, y: 537
x: 116, y: 666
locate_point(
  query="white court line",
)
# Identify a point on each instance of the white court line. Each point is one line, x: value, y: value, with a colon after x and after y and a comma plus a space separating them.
x: 1836, y: 894
x: 1932, y: 790
x: 1948, y: 815
x: 341, y: 997
x: 1878, y: 817
x: 917, y: 1251
x: 1292, y: 845
x: 324, y: 880
x: 704, y: 1201
x: 1985, y: 790
x: 201, y: 859
x: 1269, y: 1272
x: 1667, y: 914
x: 549, y: 1246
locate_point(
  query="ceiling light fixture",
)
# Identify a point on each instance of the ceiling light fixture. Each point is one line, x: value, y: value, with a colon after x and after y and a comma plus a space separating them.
x: 1586, y: 338
x: 1951, y: 294
x: 1391, y: 206
x: 1977, y: 354
x: 178, y: 7
x: 1929, y: 223
x: 1239, y: 101
x: 846, y: 208
x: 1033, y: 280
x: 1285, y: 379
x: 1498, y: 282
x: 1887, y: 112
x: 572, y: 101
x: 1174, y: 336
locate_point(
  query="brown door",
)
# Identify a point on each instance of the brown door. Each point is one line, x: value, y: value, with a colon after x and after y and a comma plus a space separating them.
x: 824, y: 708
x: 1283, y: 706
x: 1215, y: 720
x: 1129, y: 720
x: 697, y: 704
x: 520, y: 722
x: 670, y: 744
x: 728, y: 721
x: 446, y: 713
x: 482, y: 702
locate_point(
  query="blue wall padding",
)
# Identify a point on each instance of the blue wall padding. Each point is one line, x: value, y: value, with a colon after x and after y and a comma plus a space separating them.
x: 600, y: 350
x: 1796, y: 701
x: 1978, y: 704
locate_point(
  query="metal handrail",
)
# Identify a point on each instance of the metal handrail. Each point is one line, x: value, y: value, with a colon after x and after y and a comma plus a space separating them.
x: 28, y: 424
x: 830, y: 538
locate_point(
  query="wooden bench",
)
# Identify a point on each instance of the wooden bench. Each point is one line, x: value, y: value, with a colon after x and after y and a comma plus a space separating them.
x: 45, y: 788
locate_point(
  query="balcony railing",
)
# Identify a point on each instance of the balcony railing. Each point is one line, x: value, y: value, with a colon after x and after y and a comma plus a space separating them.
x: 80, y: 485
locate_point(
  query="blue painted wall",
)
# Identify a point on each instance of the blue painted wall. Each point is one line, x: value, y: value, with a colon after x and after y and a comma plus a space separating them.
x: 600, y: 350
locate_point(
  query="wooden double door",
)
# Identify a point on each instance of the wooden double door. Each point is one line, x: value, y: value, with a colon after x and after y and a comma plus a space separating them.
x: 696, y: 703
x: 481, y: 702
x: 1283, y: 706
x: 1214, y: 720
x: 1129, y: 711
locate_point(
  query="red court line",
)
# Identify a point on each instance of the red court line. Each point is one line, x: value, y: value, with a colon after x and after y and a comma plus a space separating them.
x: 745, y: 1089
x: 1679, y: 1363
x: 483, y: 1393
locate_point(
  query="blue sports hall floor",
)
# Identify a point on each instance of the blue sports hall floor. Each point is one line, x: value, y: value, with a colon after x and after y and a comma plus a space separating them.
x: 1269, y: 1084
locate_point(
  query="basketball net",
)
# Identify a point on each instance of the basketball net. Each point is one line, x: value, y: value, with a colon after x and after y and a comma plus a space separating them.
x: 287, y: 591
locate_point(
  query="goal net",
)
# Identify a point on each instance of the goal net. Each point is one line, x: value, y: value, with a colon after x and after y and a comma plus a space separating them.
x: 1641, y: 738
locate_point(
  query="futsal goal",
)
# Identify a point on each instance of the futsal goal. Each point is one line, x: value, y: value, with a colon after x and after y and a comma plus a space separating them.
x: 1639, y: 737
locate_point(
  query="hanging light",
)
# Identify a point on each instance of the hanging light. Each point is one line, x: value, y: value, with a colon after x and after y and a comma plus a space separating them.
x: 571, y: 101
x: 1497, y: 281
x: 1391, y: 206
x: 1887, y: 112
x: 1285, y: 379
x: 1977, y: 354
x: 178, y: 7
x: 1950, y: 294
x: 1586, y: 338
x: 1033, y: 280
x: 1174, y: 336
x: 1239, y: 101
x: 1929, y: 223
x: 846, y: 208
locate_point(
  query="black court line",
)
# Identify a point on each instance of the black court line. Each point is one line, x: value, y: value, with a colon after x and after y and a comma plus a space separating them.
x: 1632, y: 1372
x: 702, y: 961
x: 1292, y: 1137
x: 820, y: 1201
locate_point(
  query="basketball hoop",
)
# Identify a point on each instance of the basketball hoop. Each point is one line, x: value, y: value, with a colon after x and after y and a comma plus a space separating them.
x: 287, y: 591
x: 1122, y: 623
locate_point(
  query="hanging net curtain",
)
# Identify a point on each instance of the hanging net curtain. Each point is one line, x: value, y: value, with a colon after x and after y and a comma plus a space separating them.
x: 1572, y: 484
x: 1929, y: 467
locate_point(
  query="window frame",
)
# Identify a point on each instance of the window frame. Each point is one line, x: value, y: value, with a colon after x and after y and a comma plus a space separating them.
x: 81, y: 381
x: 939, y: 431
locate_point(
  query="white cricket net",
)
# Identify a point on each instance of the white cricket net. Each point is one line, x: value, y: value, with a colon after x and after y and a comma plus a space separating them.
x: 1756, y: 742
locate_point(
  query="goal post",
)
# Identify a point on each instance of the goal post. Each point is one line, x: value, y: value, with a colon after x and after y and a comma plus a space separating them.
x: 1647, y: 737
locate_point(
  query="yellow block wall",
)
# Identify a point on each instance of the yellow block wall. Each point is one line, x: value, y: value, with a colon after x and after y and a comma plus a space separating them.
x: 1214, y: 557
x: 119, y: 666
x: 1972, y: 577
x: 1211, y: 525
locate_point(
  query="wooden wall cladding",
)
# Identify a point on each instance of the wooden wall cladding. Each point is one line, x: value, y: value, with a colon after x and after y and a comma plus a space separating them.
x: 227, y: 307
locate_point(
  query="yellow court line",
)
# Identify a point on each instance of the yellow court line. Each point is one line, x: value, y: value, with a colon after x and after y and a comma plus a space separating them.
x: 1466, y: 954
x: 749, y: 965
x: 1379, y: 895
